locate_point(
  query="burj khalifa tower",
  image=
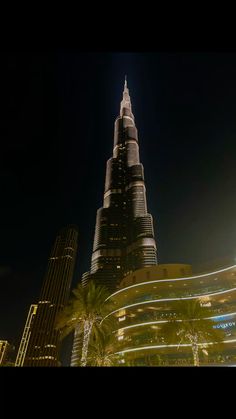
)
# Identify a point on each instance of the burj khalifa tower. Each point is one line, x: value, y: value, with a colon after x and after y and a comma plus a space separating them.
x: 124, y: 236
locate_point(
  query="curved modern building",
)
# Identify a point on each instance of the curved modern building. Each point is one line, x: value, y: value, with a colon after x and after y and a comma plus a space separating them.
x: 146, y: 299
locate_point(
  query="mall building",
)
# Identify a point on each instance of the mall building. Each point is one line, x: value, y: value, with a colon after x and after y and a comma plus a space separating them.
x: 147, y: 298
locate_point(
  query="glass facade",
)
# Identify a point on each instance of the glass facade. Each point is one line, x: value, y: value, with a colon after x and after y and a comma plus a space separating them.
x: 4, y: 349
x: 148, y: 298
x: 43, y: 345
x: 26, y: 336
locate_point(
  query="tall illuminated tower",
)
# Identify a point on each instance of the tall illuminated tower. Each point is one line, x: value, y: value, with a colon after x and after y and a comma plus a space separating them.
x: 4, y: 349
x: 26, y: 336
x: 124, y: 237
x: 43, y: 346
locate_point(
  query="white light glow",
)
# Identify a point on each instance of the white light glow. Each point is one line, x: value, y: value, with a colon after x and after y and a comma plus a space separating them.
x: 170, y: 299
x: 171, y: 280
x: 171, y: 346
x: 167, y: 321
x: 121, y: 319
x: 120, y: 337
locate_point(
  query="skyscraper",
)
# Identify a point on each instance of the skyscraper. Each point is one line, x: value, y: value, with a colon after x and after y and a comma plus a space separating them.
x: 124, y: 237
x: 26, y: 336
x: 4, y: 350
x: 43, y: 347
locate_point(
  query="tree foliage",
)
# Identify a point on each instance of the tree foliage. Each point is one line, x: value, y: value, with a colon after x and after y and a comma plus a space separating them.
x: 191, y: 325
x: 85, y: 312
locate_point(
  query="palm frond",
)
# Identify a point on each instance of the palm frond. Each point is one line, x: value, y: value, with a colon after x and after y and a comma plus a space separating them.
x: 191, y: 322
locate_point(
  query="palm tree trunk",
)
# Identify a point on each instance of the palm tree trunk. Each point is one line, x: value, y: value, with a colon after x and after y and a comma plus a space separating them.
x: 195, y: 354
x: 193, y: 339
x: 88, y: 324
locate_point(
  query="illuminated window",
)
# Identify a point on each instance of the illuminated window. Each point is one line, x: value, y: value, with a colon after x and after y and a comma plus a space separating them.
x: 121, y: 319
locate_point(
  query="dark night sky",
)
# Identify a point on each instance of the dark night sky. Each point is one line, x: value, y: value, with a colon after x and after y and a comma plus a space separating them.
x: 57, y: 116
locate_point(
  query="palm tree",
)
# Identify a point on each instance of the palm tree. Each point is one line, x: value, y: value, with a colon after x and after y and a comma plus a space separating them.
x: 101, y: 349
x: 85, y: 310
x: 192, y: 324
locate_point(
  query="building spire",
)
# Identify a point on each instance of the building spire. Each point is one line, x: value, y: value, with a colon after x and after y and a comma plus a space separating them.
x: 125, y: 87
x: 125, y: 106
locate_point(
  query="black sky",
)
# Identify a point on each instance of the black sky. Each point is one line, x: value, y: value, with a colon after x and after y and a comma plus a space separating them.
x: 56, y: 123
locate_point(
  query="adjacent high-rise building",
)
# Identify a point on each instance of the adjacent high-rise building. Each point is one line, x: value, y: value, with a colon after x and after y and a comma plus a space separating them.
x: 26, y: 336
x: 4, y: 350
x: 43, y: 346
x: 124, y: 237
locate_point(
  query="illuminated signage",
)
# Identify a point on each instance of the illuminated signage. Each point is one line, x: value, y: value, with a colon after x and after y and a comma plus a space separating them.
x: 224, y: 325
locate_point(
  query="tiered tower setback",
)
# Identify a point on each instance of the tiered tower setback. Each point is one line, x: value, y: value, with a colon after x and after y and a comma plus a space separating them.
x: 124, y: 237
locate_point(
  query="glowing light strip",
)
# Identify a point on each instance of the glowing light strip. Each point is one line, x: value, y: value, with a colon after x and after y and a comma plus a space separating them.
x: 169, y: 299
x: 128, y: 117
x: 222, y: 315
x: 126, y: 142
x: 3, y: 347
x: 140, y: 324
x: 25, y: 337
x: 167, y: 321
x: 171, y: 280
x: 112, y: 191
x: 172, y: 346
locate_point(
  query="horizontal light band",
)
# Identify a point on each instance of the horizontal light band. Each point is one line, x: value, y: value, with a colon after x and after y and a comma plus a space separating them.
x: 170, y: 299
x: 112, y: 191
x: 167, y: 321
x: 172, y: 346
x: 171, y: 280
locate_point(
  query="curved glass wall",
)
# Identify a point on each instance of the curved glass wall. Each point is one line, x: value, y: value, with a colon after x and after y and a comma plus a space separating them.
x: 146, y: 299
